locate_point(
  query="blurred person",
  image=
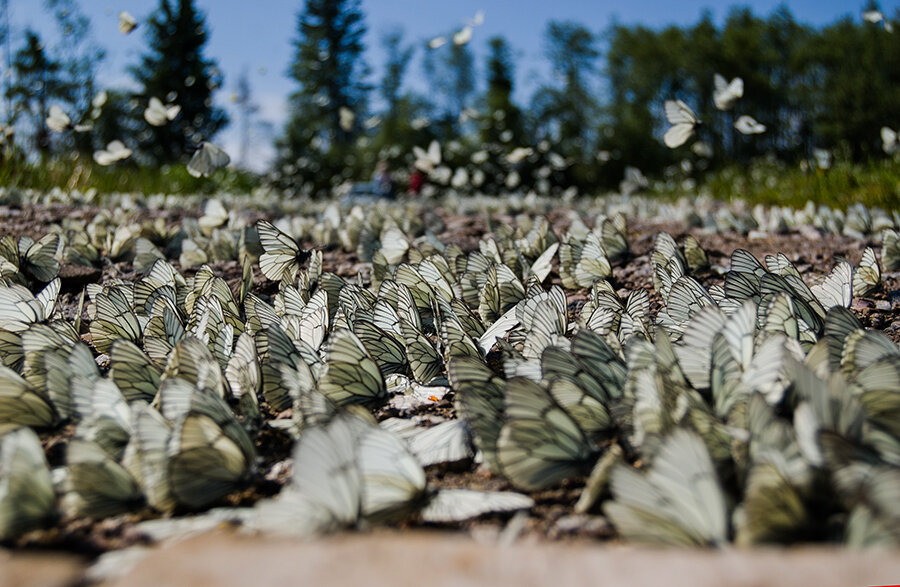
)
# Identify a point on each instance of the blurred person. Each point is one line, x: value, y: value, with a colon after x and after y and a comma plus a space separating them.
x: 381, y: 180
x: 416, y: 179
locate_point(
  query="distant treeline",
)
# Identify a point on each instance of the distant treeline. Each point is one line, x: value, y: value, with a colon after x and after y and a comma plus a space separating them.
x: 814, y: 88
x: 601, y: 109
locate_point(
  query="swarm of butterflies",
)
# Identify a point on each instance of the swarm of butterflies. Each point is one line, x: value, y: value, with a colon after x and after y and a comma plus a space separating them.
x: 754, y: 410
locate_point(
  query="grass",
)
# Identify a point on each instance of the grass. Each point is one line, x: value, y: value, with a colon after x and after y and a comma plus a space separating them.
x: 876, y: 184
x: 83, y: 175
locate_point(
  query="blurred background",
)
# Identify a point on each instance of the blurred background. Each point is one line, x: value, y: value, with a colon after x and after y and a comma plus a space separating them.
x: 309, y: 96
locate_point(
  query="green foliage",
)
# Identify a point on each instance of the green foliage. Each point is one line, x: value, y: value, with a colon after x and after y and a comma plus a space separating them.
x: 175, y: 70
x: 80, y: 173
x: 875, y: 184
x: 829, y: 88
x: 316, y: 152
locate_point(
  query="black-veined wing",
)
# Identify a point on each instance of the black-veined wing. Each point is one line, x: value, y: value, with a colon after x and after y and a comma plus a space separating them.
x: 679, y: 501
x: 350, y: 375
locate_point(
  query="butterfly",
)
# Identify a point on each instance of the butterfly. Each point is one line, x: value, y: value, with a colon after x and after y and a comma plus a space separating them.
x: 209, y: 453
x: 679, y: 501
x: 749, y: 126
x: 127, y: 23
x: 281, y: 256
x: 683, y: 120
x: 634, y: 181
x: 350, y: 374
x: 157, y: 114
x: 726, y: 94
x: 347, y: 118
x: 867, y: 277
x: 27, y: 499
x: 437, y: 42
x: 463, y: 36
x: 132, y: 370
x: 426, y: 161
x: 540, y: 443
x: 889, y: 140
x: 350, y: 471
x: 57, y: 120
x: 96, y: 485
x: 21, y: 404
x: 890, y: 250
x: 207, y: 159
x: 115, y: 151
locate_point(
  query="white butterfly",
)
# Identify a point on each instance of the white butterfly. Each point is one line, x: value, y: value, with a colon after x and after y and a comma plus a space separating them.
x: 460, y: 178
x: 634, y: 181
x: 348, y: 117
x: 58, y: 120
x: 99, y: 100
x: 207, y: 159
x: 27, y: 500
x: 426, y: 161
x: 437, y: 42
x: 158, y: 114
x: 702, y: 149
x: 726, y: 94
x: 889, y: 140
x: 823, y: 158
x: 115, y: 151
x: 873, y: 16
x: 749, y: 126
x: 463, y: 36
x: 518, y: 154
x: 683, y: 121
x: 127, y: 23
x: 876, y: 16
x: 477, y: 20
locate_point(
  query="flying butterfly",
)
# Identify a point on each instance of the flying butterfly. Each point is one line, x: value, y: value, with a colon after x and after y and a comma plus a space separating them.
x: 683, y: 120
x: 207, y: 159
x: 749, y: 126
x: 114, y: 151
x: 726, y: 94
x: 158, y: 114
x: 127, y: 22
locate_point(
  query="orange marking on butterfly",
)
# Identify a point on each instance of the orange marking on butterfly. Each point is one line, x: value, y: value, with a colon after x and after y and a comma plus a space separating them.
x: 433, y: 398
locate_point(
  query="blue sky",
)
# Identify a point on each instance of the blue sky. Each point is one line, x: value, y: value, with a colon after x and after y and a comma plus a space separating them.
x: 258, y: 34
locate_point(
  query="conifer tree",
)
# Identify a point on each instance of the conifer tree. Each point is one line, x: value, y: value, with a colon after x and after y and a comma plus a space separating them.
x: 37, y: 83
x: 175, y: 70
x: 316, y: 150
x: 502, y: 114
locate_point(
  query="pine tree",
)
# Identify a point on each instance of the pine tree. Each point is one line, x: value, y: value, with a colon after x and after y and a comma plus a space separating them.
x: 37, y: 83
x: 176, y: 71
x: 503, y: 122
x: 451, y: 72
x: 316, y: 150
x: 398, y: 57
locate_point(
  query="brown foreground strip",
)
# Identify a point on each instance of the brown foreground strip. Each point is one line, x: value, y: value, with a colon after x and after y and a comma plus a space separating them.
x: 433, y: 559
x: 39, y: 569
